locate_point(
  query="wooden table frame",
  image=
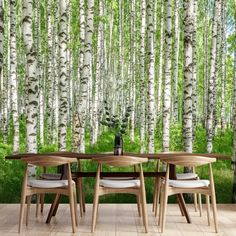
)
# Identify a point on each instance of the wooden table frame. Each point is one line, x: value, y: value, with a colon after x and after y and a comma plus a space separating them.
x: 80, y: 174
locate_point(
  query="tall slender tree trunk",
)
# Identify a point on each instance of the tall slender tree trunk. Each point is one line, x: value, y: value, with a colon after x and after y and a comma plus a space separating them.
x: 223, y: 65
x: 13, y: 76
x: 188, y: 75
x: 167, y: 79
x: 31, y: 78
x: 212, y: 78
x: 86, y: 75
x: 234, y: 113
x: 63, y: 84
x: 205, y: 71
x: 142, y: 76
x: 76, y: 123
x: 151, y: 71
x: 176, y: 62
x: 1, y: 35
x: 194, y: 77
x: 160, y: 69
x: 97, y: 76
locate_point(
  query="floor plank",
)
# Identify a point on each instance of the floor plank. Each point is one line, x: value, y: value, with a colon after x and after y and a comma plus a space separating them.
x: 118, y: 220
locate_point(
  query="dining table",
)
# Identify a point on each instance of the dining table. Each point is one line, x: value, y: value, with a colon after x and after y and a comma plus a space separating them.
x: 83, y: 174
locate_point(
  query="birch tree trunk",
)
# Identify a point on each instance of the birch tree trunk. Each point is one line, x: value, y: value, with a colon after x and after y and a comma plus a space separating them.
x: 205, y: 71
x: 76, y: 123
x: 142, y: 76
x: 176, y: 61
x: 63, y: 84
x: 188, y: 74
x: 223, y: 65
x: 31, y: 78
x: 97, y: 76
x: 13, y: 76
x: 1, y: 36
x: 234, y: 112
x: 160, y: 69
x: 212, y: 77
x: 194, y: 77
x: 151, y: 71
x: 167, y: 79
x: 85, y: 74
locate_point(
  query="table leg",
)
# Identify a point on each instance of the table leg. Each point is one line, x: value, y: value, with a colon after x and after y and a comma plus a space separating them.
x: 182, y: 205
x: 53, y: 209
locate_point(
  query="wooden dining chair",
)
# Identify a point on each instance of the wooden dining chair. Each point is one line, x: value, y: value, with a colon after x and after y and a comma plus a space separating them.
x: 180, y: 176
x: 134, y: 186
x: 32, y: 186
x: 57, y: 176
x: 171, y: 187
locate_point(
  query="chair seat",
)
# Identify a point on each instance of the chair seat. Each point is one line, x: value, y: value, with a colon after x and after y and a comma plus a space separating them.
x: 189, y: 183
x: 38, y: 183
x: 50, y: 176
x: 186, y: 176
x: 109, y: 183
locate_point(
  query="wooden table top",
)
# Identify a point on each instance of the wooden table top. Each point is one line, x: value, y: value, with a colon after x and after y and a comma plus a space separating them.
x: 90, y: 156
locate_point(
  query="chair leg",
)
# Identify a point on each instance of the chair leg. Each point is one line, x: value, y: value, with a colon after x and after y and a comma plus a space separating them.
x: 165, y: 200
x: 195, y: 201
x: 213, y: 199
x: 208, y: 208
x: 22, y: 209
x: 79, y: 185
x: 200, y: 204
x: 75, y: 205
x: 83, y: 195
x: 28, y: 199
x: 161, y: 207
x: 138, y: 205
x: 95, y: 209
x: 155, y: 196
x: 144, y: 210
x: 37, y: 204
x: 158, y: 195
x: 72, y: 208
x: 42, y: 201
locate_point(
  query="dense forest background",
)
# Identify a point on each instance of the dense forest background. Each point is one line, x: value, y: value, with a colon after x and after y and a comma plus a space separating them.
x: 64, y: 63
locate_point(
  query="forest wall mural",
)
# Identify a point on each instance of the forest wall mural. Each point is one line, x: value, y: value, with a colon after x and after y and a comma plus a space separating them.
x: 65, y: 64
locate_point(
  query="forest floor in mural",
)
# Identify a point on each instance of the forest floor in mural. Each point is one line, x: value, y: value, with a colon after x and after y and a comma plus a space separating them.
x: 12, y: 171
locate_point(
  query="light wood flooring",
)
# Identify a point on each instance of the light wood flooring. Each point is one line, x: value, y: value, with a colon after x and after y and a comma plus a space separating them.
x: 117, y: 220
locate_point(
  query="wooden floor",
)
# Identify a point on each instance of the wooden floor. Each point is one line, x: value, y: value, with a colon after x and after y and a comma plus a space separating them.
x: 117, y: 220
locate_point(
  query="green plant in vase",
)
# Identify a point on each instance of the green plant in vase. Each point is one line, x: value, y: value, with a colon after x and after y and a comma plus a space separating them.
x: 116, y: 125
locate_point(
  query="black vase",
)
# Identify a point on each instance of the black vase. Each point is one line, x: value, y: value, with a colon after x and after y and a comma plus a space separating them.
x: 118, y: 144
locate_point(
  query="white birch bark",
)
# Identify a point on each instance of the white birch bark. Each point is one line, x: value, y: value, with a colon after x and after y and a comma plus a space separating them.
x: 212, y: 77
x: 194, y: 77
x: 63, y: 84
x: 151, y: 71
x: 167, y: 79
x: 188, y: 74
x: 223, y: 63
x: 1, y: 35
x: 86, y: 74
x: 160, y: 69
x: 175, y: 66
x: 205, y: 71
x: 13, y: 76
x: 98, y: 78
x: 142, y: 76
x: 31, y: 78
x: 76, y: 125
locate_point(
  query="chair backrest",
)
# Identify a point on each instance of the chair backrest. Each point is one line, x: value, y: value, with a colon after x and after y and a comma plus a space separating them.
x: 48, y: 161
x: 120, y: 161
x: 188, y: 161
